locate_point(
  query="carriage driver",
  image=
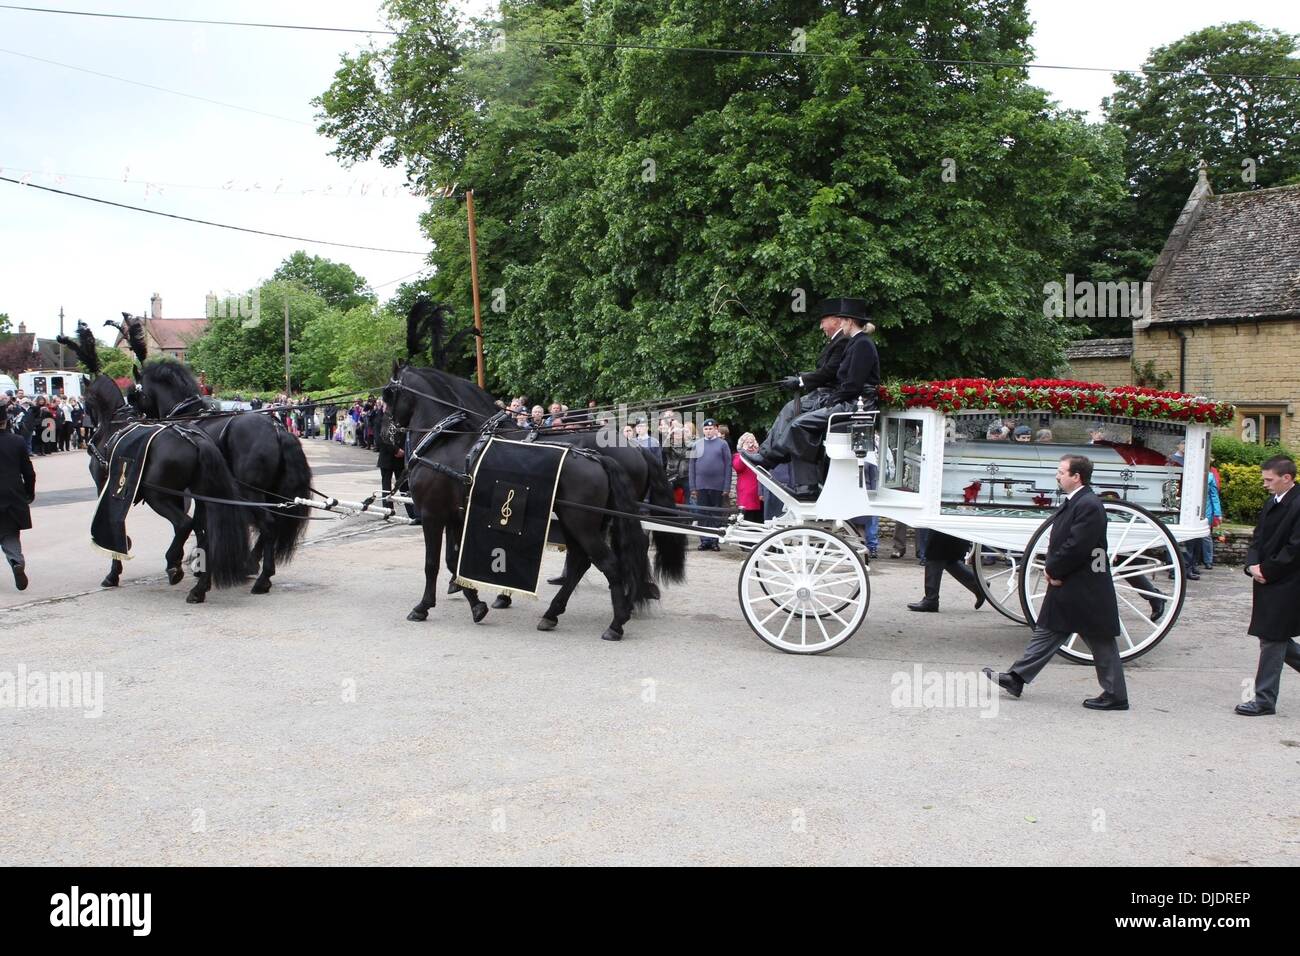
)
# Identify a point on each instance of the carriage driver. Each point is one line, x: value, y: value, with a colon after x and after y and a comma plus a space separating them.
x: 856, y: 372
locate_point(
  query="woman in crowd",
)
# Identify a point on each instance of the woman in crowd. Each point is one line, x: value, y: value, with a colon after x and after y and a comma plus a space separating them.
x: 747, y: 496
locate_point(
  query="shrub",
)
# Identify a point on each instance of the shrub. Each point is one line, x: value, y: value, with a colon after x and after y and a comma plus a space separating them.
x: 1234, y: 451
x: 1242, y: 493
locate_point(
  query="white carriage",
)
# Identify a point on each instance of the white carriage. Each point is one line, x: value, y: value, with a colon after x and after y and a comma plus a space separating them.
x: 805, y: 589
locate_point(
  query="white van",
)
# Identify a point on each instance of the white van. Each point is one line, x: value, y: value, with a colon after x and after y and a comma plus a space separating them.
x: 59, y: 381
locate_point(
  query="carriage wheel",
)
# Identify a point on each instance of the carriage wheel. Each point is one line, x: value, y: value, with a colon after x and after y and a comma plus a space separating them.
x: 1142, y: 555
x: 804, y: 590
x: 1000, y: 579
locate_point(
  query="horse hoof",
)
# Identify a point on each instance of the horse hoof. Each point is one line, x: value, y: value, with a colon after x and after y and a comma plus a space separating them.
x: 611, y: 635
x: 261, y: 587
x: 547, y: 624
x: 502, y: 601
x: 417, y: 615
x: 480, y: 611
x: 108, y: 583
x: 193, y: 598
x: 174, y: 575
x: 454, y: 588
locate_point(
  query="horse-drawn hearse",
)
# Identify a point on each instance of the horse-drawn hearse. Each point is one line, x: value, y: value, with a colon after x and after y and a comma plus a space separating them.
x: 926, y: 459
x: 931, y: 455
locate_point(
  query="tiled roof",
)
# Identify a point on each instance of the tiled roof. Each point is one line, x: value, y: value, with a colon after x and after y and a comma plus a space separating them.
x: 1239, y: 258
x: 1100, y: 348
x: 170, y: 333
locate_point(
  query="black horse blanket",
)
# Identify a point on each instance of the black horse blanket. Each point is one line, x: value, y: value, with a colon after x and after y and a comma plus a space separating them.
x: 508, y: 516
x: 126, y: 458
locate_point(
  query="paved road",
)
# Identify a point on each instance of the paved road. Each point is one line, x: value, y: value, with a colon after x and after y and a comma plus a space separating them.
x: 316, y: 725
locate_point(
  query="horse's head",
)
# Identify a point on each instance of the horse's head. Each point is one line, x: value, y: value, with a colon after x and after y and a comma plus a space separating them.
x: 398, y: 400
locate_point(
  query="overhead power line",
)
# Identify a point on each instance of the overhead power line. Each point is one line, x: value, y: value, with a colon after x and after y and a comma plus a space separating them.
x: 151, y: 86
x: 715, y: 51
x: 206, y: 222
x: 214, y: 23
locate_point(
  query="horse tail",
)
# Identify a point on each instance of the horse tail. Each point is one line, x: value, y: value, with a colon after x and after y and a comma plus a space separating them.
x: 294, y: 482
x: 627, y: 538
x: 226, y: 525
x: 670, y: 549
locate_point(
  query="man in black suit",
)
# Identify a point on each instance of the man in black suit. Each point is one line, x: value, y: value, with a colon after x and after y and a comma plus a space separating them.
x: 1080, y: 594
x: 857, y: 377
x: 1273, y: 563
x: 17, y: 491
x: 817, y: 383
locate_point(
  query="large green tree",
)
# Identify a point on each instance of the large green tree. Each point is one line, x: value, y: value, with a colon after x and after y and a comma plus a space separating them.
x: 1227, y: 94
x: 248, y: 353
x: 619, y: 189
x: 335, y: 282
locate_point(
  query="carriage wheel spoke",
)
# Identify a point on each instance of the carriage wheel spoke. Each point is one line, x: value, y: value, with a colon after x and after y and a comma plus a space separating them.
x: 831, y: 611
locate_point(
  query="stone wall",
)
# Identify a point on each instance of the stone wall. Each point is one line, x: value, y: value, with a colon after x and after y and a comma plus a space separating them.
x: 1242, y: 364
x: 1108, y: 371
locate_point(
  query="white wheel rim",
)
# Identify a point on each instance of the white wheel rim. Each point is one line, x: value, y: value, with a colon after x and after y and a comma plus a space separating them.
x: 1141, y: 554
x: 1000, y: 580
x: 803, y: 590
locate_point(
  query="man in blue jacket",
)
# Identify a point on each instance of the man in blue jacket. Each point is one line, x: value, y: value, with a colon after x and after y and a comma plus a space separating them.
x: 710, y: 473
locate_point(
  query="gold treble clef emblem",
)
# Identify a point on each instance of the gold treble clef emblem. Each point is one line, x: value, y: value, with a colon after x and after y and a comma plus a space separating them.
x: 121, y: 479
x: 505, y: 507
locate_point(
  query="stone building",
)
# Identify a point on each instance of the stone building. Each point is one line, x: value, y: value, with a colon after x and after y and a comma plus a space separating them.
x: 1109, y: 361
x: 1224, y: 313
x: 170, y: 337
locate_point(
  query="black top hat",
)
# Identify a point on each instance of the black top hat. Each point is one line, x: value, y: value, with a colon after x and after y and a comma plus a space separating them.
x: 852, y: 308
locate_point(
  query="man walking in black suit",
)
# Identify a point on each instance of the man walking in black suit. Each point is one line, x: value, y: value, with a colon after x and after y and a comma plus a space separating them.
x: 17, y: 490
x: 1080, y: 594
x: 1273, y: 563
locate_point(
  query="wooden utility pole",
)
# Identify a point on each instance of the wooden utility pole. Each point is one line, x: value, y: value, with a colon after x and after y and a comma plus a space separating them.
x: 473, y: 278
x: 288, y: 390
x: 62, y: 360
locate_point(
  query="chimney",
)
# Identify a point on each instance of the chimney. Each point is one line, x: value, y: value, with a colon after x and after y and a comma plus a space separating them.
x: 155, y: 306
x: 22, y: 328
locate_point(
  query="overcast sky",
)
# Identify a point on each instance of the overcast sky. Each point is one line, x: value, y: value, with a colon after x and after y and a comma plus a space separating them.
x: 100, y: 137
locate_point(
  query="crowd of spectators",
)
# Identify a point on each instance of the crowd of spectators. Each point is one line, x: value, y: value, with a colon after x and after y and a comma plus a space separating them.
x: 47, y: 424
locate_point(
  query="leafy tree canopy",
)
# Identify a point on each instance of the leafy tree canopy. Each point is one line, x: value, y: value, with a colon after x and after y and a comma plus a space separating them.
x: 619, y: 189
x: 335, y: 282
x: 1184, y: 107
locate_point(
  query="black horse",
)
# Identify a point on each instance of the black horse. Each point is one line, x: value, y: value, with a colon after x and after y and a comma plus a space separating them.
x: 267, y: 462
x: 178, y: 464
x: 419, y: 398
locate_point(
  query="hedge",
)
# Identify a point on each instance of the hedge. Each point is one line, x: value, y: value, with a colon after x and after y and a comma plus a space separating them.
x: 1234, y: 451
x: 1242, y: 493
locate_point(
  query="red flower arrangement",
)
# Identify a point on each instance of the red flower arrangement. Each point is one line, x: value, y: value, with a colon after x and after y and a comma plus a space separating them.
x: 1061, y: 396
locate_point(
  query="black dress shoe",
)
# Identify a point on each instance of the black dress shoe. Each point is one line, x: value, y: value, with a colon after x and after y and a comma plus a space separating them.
x: 1193, y: 576
x: 557, y: 580
x: 979, y: 600
x: 1010, y: 683
x: 756, y: 458
x: 1253, y: 708
x: 20, y: 577
x: 930, y: 605
x: 1105, y: 702
x: 896, y: 554
x: 1157, y: 610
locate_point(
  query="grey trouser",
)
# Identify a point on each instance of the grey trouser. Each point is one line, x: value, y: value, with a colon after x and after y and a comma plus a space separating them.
x: 777, y: 446
x: 1268, y: 679
x: 12, y: 547
x: 1105, y: 656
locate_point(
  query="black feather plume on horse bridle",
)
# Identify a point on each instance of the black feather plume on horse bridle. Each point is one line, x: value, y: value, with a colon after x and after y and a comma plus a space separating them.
x: 84, y: 347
